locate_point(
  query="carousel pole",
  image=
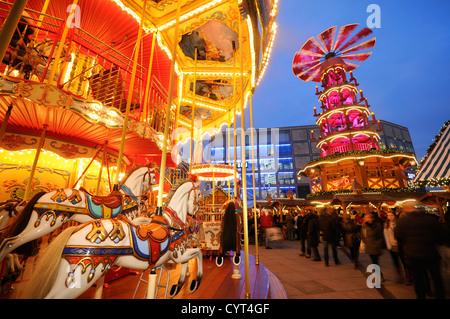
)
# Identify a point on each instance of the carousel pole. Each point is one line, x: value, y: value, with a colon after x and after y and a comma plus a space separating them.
x: 151, y: 288
x: 151, y: 291
x: 234, y: 122
x: 228, y: 152
x: 191, y: 162
x: 169, y: 102
x: 100, y: 282
x: 243, y: 168
x: 36, y: 159
x: 61, y: 46
x: 5, y: 123
x: 10, y: 24
x: 254, y: 189
x: 41, y: 19
x: 149, y: 78
x: 130, y: 96
x: 101, y: 168
x: 213, y: 190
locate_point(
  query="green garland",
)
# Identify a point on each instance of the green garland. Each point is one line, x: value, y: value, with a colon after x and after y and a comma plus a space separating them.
x: 365, y: 190
x: 434, y: 182
x: 356, y: 153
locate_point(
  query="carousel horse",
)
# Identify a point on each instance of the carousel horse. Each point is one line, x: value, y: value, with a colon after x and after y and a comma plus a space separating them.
x: 231, y: 232
x: 79, y: 256
x: 46, y: 212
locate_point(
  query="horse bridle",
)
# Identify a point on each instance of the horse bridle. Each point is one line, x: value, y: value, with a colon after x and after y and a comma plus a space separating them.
x: 195, y: 203
x: 149, y: 171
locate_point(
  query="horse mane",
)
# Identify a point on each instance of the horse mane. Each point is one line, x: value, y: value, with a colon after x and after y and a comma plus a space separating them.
x: 129, y: 172
x: 174, y: 189
x: 30, y: 248
x: 44, y: 275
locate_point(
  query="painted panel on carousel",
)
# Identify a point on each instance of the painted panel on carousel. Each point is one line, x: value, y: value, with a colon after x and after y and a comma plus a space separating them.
x: 213, y: 40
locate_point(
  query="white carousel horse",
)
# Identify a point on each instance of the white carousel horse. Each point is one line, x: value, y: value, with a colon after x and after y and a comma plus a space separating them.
x: 79, y: 256
x: 46, y: 212
x: 231, y: 232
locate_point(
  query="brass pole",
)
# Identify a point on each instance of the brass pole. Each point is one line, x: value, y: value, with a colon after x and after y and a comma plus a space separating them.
x: 228, y: 152
x: 10, y: 24
x: 101, y: 168
x: 36, y: 159
x: 191, y: 162
x: 243, y: 168
x: 169, y: 102
x: 213, y: 190
x: 149, y: 79
x: 254, y: 187
x: 130, y: 95
x: 41, y: 18
x: 234, y: 122
x: 61, y: 46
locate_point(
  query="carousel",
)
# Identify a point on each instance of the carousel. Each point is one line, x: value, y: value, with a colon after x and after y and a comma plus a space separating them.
x: 96, y: 99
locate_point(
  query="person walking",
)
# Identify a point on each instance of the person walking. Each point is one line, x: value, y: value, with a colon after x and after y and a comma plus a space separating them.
x: 328, y: 226
x: 266, y: 222
x: 313, y: 236
x: 392, y: 246
x: 372, y: 237
x: 290, y: 226
x: 303, y: 229
x: 419, y: 235
x: 297, y: 222
x: 352, y: 238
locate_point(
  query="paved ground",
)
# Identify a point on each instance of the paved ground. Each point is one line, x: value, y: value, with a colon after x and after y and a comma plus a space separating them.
x: 303, y: 278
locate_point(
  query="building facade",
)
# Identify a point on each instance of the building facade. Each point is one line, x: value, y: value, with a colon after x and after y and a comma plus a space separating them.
x: 281, y: 152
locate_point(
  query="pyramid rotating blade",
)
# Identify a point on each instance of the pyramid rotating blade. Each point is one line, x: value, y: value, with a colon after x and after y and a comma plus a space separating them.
x: 360, y: 35
x: 313, y: 46
x: 304, y: 63
x: 314, y: 76
x: 311, y: 74
x: 360, y: 57
x: 362, y: 46
x: 326, y: 38
x: 344, y: 32
x: 303, y: 67
x: 350, y: 65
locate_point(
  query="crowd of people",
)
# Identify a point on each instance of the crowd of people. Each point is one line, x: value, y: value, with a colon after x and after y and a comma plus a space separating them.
x: 410, y: 234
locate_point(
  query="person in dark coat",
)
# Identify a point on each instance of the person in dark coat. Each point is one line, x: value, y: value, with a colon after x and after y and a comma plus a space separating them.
x: 313, y: 236
x: 303, y: 229
x: 352, y: 238
x: 328, y: 225
x: 290, y: 226
x: 372, y: 236
x: 419, y: 235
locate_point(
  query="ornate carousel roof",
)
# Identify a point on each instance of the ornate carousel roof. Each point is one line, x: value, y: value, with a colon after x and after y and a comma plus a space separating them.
x: 107, y: 30
x: 212, y: 27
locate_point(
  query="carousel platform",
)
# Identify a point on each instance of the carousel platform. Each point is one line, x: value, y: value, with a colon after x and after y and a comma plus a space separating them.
x: 217, y: 283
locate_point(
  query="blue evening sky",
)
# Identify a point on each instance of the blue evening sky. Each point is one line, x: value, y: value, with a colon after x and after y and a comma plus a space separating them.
x: 405, y: 80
